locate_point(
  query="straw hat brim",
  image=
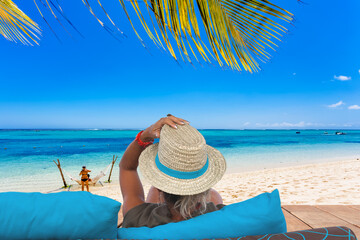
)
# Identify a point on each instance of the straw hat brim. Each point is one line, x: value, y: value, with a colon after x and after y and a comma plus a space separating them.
x: 169, y: 184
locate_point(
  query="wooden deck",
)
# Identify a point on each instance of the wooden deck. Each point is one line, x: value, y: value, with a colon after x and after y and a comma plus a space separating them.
x: 300, y: 217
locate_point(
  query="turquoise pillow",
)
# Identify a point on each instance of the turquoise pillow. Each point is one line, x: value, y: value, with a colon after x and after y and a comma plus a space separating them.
x: 257, y: 216
x: 64, y: 215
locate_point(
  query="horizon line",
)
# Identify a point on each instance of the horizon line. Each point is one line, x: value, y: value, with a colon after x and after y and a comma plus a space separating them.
x: 137, y: 129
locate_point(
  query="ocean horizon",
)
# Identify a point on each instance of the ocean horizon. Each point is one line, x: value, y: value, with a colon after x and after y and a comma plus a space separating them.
x: 26, y: 156
x: 200, y: 129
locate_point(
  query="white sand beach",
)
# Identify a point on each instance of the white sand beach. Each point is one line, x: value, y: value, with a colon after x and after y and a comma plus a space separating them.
x: 322, y: 183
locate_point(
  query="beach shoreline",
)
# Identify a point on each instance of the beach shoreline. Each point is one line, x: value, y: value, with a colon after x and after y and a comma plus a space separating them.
x: 319, y: 183
x: 310, y: 184
x: 26, y: 157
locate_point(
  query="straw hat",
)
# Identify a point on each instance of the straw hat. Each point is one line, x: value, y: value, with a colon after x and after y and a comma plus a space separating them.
x: 181, y: 163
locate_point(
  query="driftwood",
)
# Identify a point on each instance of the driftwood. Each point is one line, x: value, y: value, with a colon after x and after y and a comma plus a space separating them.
x: 113, y: 162
x: 61, y: 173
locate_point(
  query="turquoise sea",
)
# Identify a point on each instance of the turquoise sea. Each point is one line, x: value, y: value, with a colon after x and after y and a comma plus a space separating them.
x: 26, y: 156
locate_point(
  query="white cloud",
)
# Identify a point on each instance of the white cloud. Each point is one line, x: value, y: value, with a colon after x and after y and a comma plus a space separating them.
x: 336, y: 104
x: 247, y: 124
x: 354, y: 107
x: 342, y: 78
x: 286, y: 124
x: 299, y: 124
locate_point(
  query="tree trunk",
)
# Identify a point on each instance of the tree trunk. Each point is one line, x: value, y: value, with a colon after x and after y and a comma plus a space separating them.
x: 113, y: 162
x: 61, y: 173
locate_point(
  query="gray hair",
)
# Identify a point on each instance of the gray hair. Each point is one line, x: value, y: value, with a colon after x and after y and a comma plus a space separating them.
x: 186, y: 205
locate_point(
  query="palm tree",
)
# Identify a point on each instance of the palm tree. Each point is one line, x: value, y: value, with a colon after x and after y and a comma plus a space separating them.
x: 238, y: 32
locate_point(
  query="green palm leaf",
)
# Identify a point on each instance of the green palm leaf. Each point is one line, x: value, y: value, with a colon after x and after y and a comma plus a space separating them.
x: 16, y: 25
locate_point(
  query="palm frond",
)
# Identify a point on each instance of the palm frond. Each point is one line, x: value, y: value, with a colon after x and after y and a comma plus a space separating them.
x: 17, y: 26
x: 239, y: 32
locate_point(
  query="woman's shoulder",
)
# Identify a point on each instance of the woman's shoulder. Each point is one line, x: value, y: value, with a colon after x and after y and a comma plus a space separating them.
x: 147, y: 214
x: 154, y: 214
x: 220, y: 206
x: 210, y: 207
x: 141, y: 208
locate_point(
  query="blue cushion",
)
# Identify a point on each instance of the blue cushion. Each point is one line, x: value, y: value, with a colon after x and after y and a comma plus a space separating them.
x: 256, y: 216
x: 64, y: 215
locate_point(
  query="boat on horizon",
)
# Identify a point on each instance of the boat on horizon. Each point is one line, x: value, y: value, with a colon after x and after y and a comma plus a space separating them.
x: 340, y: 133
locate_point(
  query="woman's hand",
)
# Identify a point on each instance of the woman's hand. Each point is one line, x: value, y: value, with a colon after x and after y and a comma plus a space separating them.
x: 153, y: 131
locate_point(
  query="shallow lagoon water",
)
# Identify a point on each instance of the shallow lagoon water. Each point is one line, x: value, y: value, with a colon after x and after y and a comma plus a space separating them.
x: 26, y: 156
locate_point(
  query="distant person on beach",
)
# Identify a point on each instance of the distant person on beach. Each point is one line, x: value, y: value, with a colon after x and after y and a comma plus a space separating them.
x: 85, y: 177
x: 181, y: 169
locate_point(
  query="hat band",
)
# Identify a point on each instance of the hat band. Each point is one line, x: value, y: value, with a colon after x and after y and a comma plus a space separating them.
x: 181, y: 174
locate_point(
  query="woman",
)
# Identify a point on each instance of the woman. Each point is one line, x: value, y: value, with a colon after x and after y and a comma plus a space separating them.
x: 181, y: 169
x: 85, y: 178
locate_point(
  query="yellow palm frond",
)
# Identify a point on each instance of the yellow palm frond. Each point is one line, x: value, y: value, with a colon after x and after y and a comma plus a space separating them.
x: 17, y: 26
x: 238, y: 31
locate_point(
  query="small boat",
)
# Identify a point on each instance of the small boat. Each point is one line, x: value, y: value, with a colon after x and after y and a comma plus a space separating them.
x: 325, y: 132
x: 340, y: 133
x: 297, y: 132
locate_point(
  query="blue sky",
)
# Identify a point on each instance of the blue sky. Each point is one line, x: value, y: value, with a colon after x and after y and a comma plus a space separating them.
x: 312, y: 81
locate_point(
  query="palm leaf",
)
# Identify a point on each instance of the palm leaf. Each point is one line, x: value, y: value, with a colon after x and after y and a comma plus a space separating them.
x: 16, y: 25
x: 239, y: 32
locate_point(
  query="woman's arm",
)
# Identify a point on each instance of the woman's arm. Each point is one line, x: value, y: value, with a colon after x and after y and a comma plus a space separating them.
x: 130, y: 184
